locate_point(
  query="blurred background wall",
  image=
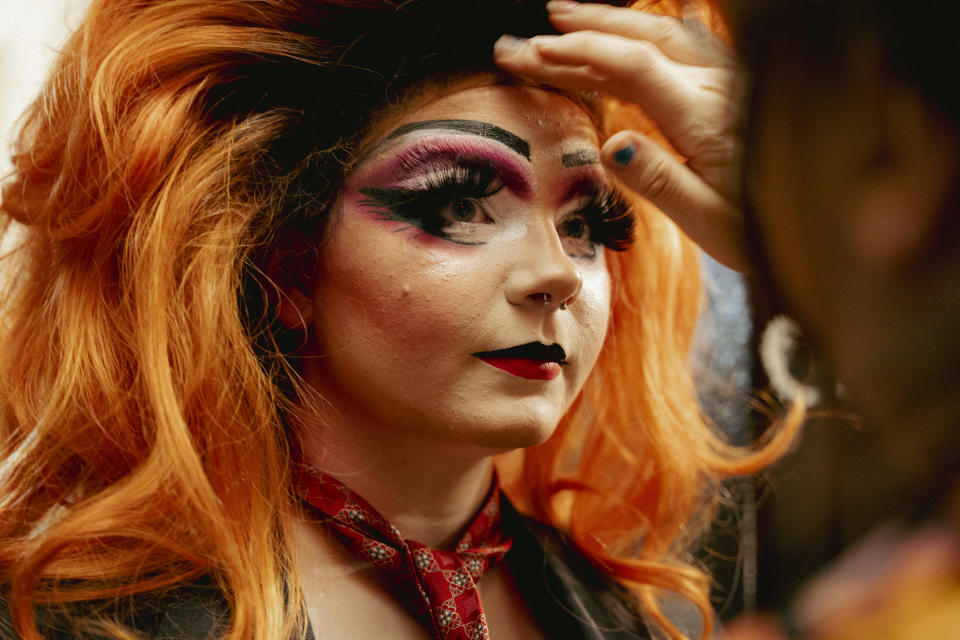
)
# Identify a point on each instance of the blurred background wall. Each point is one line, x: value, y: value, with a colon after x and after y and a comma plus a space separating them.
x: 30, y: 33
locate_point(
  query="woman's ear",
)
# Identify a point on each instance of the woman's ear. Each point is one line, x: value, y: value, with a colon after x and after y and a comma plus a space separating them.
x: 901, y: 195
x: 291, y: 271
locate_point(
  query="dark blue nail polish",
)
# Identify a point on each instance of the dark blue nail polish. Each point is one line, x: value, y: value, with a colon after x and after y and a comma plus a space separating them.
x: 624, y: 155
x: 508, y: 43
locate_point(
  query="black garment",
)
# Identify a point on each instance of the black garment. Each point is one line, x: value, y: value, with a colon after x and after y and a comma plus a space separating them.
x: 568, y: 597
x: 195, y: 611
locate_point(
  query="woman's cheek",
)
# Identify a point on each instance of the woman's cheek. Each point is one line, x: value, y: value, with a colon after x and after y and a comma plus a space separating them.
x: 595, y: 298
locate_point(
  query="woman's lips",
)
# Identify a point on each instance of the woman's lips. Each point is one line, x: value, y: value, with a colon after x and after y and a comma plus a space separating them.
x: 526, y: 368
x: 533, y: 361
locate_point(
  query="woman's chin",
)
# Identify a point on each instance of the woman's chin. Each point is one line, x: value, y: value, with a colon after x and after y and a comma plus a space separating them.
x: 510, y: 433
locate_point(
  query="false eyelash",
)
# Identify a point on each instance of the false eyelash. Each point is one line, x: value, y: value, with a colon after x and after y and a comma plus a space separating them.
x: 610, y: 219
x: 420, y: 205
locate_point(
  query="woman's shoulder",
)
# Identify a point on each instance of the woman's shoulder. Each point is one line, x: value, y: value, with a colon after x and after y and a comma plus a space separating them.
x: 193, y: 611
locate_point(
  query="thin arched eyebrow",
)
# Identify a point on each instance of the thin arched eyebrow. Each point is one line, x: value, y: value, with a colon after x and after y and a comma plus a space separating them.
x: 580, y: 158
x: 473, y: 127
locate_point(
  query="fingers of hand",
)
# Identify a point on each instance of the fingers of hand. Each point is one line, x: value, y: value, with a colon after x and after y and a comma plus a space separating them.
x: 523, y: 57
x: 636, y: 63
x: 688, y: 103
x: 703, y: 214
x: 671, y: 36
x: 648, y: 169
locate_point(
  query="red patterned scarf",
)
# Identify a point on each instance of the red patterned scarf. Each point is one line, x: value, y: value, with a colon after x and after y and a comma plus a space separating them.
x: 438, y: 586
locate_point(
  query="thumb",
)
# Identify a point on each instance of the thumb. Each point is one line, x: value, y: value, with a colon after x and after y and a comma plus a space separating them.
x: 697, y: 208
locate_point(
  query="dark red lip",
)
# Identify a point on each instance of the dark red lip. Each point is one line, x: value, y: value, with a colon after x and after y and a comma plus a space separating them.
x: 533, y: 360
x: 526, y: 368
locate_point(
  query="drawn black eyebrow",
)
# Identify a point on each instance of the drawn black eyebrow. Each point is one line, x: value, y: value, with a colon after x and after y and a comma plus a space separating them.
x: 580, y: 158
x: 473, y: 127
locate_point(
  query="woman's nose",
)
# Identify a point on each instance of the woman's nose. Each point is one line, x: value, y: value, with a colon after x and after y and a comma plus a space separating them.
x: 543, y: 273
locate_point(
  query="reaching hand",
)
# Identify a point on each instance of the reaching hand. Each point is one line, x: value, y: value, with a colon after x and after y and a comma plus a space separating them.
x: 681, y: 76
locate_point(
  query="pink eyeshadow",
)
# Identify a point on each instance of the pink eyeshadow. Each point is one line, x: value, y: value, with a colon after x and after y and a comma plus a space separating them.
x: 588, y: 181
x: 424, y: 154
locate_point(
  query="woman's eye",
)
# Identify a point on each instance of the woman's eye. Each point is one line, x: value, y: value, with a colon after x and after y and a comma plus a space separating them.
x: 575, y: 227
x: 463, y: 210
x: 576, y: 237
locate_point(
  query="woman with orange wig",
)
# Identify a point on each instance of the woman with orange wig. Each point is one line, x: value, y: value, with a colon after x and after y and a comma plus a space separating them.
x: 317, y: 325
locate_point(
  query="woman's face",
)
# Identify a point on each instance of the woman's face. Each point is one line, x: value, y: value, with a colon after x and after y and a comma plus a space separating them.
x: 452, y: 232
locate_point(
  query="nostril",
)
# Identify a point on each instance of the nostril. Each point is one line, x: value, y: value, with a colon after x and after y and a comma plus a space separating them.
x: 549, y: 300
x: 547, y: 277
x: 543, y: 298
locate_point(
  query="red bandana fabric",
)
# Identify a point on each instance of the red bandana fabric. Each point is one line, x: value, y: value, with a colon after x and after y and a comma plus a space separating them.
x: 440, y: 587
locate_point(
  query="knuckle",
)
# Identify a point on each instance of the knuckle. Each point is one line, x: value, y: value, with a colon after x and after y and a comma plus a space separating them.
x: 673, y: 32
x: 584, y: 37
x: 655, y: 182
x: 708, y: 145
x: 641, y: 55
x: 645, y: 21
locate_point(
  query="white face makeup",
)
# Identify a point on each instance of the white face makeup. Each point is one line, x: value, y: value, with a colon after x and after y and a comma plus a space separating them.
x: 452, y: 232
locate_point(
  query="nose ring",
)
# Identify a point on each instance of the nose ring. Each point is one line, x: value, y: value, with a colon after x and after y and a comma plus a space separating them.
x: 546, y: 302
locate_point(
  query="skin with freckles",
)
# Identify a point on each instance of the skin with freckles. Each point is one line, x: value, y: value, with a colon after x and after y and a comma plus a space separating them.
x: 398, y: 311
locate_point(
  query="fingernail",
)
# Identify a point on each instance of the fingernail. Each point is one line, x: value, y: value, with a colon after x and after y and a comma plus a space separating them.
x: 624, y: 155
x: 508, y: 43
x: 562, y: 6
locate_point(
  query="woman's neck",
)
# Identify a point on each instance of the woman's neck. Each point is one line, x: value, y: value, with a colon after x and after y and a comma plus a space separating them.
x: 430, y: 491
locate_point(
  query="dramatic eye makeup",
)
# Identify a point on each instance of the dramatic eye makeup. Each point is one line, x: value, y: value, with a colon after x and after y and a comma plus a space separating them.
x: 442, y: 185
x: 605, y: 218
x: 444, y: 198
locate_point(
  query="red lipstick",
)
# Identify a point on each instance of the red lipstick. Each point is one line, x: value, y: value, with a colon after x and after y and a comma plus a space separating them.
x: 533, y: 361
x: 524, y: 368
